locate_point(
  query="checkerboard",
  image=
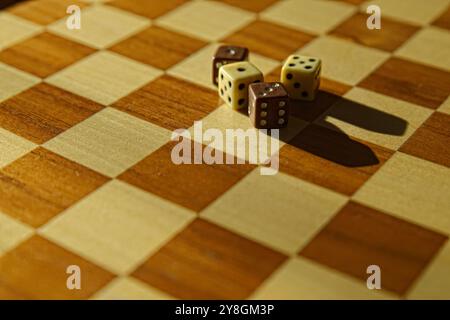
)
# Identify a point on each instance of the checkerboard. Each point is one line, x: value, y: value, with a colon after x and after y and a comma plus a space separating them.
x: 86, y: 176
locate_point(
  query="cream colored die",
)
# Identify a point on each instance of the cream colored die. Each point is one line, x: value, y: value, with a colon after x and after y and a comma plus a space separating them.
x: 234, y: 79
x: 300, y: 76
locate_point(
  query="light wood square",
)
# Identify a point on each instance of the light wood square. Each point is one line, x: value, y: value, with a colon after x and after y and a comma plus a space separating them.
x: 282, y: 212
x: 429, y: 46
x: 110, y: 141
x: 411, y: 188
x: 386, y: 121
x: 101, y: 26
x: 207, y: 20
x: 14, y: 81
x: 300, y: 278
x: 198, y: 67
x: 12, y: 232
x: 12, y: 147
x: 412, y: 11
x: 14, y: 29
x: 104, y: 77
x: 343, y: 60
x: 316, y: 16
x: 445, y: 107
x: 434, y: 282
x: 118, y: 226
x: 128, y: 288
x: 224, y: 118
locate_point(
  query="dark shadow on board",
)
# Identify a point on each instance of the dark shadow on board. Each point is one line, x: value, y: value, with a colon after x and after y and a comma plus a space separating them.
x: 6, y: 3
x: 328, y: 141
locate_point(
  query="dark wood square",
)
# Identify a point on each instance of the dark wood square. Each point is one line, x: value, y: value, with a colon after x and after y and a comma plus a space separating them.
x: 359, y: 236
x: 36, y: 269
x: 158, y: 47
x: 170, y: 102
x: 44, y: 54
x: 444, y: 20
x: 147, y: 8
x: 44, y: 11
x: 432, y: 140
x: 42, y: 184
x: 206, y: 261
x: 193, y: 186
x: 43, y: 111
x: 409, y: 81
x: 268, y: 39
x: 390, y: 37
x: 251, y: 5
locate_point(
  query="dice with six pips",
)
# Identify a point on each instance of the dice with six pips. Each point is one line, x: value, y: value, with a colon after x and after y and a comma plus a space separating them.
x: 225, y: 55
x: 300, y: 76
x: 234, y: 79
x: 268, y: 105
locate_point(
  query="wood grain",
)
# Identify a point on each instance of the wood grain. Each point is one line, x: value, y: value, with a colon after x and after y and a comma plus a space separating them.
x: 331, y: 159
x: 170, y: 102
x: 158, y: 47
x: 409, y: 81
x: 268, y: 39
x: 359, y: 236
x: 193, y: 186
x: 36, y: 269
x: 148, y: 8
x: 226, y: 266
x: 41, y: 184
x: 251, y: 5
x: 44, y: 11
x: 432, y: 140
x: 44, y: 54
x: 43, y: 111
x: 390, y: 37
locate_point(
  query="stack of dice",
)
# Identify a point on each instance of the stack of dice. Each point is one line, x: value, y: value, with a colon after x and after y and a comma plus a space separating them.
x: 241, y: 85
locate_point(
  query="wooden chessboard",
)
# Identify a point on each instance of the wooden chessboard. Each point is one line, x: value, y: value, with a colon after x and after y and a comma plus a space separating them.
x: 86, y: 176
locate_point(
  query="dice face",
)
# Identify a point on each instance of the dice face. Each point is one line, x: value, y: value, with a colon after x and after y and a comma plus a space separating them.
x: 268, y: 105
x: 300, y: 76
x: 234, y: 79
x: 225, y: 55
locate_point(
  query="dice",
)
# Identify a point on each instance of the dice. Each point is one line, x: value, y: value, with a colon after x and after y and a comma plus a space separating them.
x: 234, y: 79
x: 268, y: 105
x: 225, y: 55
x: 300, y: 76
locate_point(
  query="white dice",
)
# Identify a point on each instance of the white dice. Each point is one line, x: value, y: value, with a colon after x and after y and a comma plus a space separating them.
x: 234, y: 79
x: 300, y: 76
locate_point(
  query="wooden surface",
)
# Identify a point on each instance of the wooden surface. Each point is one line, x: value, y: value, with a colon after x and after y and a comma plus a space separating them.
x: 86, y: 176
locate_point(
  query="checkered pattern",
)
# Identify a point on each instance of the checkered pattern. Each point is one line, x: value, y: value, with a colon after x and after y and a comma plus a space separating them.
x: 86, y: 176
